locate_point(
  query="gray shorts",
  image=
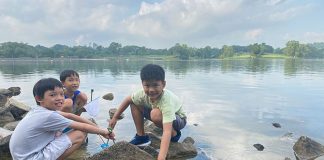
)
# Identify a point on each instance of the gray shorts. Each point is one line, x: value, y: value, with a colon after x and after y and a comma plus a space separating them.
x: 177, y: 124
x: 54, y: 149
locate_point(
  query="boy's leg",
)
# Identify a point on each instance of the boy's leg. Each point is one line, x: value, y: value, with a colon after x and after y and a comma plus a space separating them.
x: 177, y: 125
x: 137, y: 113
x: 156, y: 118
x: 140, y: 138
x: 77, y: 138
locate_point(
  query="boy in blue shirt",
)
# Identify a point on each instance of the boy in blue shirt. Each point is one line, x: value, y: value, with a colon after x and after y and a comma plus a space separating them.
x: 39, y: 134
x: 157, y: 104
x: 75, y: 100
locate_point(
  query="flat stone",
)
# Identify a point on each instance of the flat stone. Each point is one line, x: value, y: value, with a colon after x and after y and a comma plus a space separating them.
x: 121, y: 151
x: 20, y: 105
x: 307, y: 149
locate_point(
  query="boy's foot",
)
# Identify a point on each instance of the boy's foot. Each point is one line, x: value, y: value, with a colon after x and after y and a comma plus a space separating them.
x: 176, y: 137
x: 141, y: 141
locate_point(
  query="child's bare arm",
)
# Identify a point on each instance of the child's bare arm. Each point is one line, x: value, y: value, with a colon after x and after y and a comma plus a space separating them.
x: 126, y: 102
x: 165, y: 140
x: 92, y: 129
x: 76, y: 118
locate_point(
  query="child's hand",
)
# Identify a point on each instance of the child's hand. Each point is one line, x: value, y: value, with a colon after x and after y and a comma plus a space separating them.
x: 112, y: 123
x: 109, y: 134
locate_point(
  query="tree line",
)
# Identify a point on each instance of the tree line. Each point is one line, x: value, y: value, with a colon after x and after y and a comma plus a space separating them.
x: 293, y: 49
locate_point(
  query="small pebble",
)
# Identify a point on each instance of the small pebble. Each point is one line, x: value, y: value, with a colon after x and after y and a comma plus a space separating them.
x: 277, y: 125
x: 259, y: 147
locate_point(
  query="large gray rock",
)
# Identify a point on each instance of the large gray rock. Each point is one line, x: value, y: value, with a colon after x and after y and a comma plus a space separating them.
x: 307, y: 149
x: 6, y: 117
x: 184, y: 150
x: 4, y: 104
x: 4, y: 139
x: 11, y: 125
x: 5, y: 92
x: 18, y: 109
x: 121, y: 151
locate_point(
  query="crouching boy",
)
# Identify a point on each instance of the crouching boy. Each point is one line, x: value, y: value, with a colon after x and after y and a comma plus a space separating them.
x: 39, y: 134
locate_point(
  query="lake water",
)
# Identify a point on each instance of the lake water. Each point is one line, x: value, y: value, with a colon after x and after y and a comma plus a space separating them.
x: 231, y: 104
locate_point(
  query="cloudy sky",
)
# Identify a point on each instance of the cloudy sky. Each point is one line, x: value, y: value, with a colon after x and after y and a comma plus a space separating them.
x: 161, y: 23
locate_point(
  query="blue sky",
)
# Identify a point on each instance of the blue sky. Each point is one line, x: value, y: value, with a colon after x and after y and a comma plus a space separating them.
x: 161, y: 23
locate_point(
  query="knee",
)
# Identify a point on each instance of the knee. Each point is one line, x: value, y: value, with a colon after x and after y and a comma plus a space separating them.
x: 156, y: 115
x: 77, y: 136
x: 68, y: 104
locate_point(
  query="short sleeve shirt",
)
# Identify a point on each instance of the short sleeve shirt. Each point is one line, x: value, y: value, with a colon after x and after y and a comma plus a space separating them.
x: 38, y: 128
x: 168, y: 103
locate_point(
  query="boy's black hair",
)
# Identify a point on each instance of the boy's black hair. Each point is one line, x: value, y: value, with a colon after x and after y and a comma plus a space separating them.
x: 44, y: 85
x: 152, y: 72
x: 67, y: 73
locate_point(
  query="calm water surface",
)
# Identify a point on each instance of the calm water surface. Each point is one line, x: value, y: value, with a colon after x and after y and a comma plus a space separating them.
x: 231, y: 104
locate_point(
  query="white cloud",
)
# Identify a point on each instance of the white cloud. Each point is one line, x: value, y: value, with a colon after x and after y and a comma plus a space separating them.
x: 155, y: 24
x: 310, y: 37
x: 253, y: 34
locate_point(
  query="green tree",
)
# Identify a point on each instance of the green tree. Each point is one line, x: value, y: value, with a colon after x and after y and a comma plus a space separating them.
x: 227, y: 51
x: 292, y: 48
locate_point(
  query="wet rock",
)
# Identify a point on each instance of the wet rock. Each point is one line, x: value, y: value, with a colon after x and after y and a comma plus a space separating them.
x: 195, y: 124
x: 286, y: 158
x: 4, y: 104
x: 277, y: 125
x: 5, y: 92
x: 184, y: 150
x: 11, y: 125
x: 14, y: 91
x: 4, y: 139
x: 259, y: 147
x: 112, y: 111
x: 155, y: 140
x: 307, y: 149
x: 121, y: 151
x: 151, y: 127
x: 6, y: 117
x: 18, y: 109
x: 108, y: 96
x: 152, y: 151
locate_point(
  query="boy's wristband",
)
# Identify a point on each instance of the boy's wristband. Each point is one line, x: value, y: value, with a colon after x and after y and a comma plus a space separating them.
x: 110, y: 130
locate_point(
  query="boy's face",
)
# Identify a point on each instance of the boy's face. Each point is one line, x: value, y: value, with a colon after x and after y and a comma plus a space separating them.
x: 153, y: 88
x: 71, y: 83
x: 53, y: 99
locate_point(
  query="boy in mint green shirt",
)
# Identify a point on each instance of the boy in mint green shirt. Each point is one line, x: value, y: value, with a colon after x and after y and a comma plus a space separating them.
x: 157, y: 104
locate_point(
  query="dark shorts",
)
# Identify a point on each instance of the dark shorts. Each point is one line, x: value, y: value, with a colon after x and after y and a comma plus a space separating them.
x: 177, y: 124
